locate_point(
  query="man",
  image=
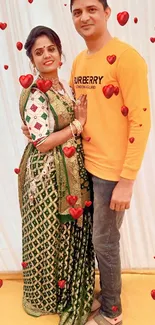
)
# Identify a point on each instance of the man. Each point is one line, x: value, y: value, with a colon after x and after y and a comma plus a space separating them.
x: 114, y: 77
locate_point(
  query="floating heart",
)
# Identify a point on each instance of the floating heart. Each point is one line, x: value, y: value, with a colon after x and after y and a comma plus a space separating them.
x: 88, y: 139
x: 123, y: 17
x: 6, y: 67
x: 17, y: 170
x: 61, y: 284
x: 135, y: 20
x: 44, y: 85
x: 76, y: 213
x: 144, y: 109
x: 30, y: 1
x: 24, y: 265
x: 1, y: 283
x: 131, y: 140
x: 88, y: 203
x: 3, y: 25
x: 108, y: 91
x: 111, y: 58
x: 116, y: 91
x: 69, y: 151
x: 71, y: 199
x: 152, y: 39
x: 26, y: 81
x: 19, y: 46
x: 124, y: 110
x: 140, y: 125
x: 153, y: 294
x: 114, y: 308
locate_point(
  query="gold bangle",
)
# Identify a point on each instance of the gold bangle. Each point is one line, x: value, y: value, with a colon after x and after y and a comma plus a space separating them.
x: 78, y: 126
x: 72, y: 130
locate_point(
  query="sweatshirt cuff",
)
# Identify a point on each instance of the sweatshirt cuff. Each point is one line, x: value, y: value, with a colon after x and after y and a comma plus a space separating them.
x: 129, y: 173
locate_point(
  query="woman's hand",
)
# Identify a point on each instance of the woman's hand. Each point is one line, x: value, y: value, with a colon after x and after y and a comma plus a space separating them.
x: 26, y: 131
x: 81, y: 109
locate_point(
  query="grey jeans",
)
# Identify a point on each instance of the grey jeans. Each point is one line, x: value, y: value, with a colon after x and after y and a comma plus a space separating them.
x: 106, y: 237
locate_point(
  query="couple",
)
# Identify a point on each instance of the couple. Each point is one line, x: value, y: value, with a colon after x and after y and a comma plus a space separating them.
x: 112, y: 117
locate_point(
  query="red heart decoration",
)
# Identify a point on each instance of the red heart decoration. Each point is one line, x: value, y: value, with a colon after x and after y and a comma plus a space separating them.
x: 6, y: 67
x: 111, y: 58
x: 3, y: 25
x: 116, y: 91
x: 88, y: 203
x: 144, y: 109
x: 69, y: 151
x: 140, y: 125
x: 44, y: 85
x: 123, y: 17
x: 76, y: 213
x: 1, y: 283
x: 26, y: 81
x: 152, y: 39
x: 108, y: 91
x: 24, y: 265
x: 30, y: 1
x: 124, y: 110
x: 114, y: 308
x: 19, y: 46
x: 61, y: 284
x: 71, y: 199
x: 17, y: 170
x: 153, y: 294
x: 88, y: 139
x: 135, y: 20
x: 131, y: 140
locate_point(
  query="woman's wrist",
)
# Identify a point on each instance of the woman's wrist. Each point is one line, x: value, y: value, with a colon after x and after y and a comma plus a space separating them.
x: 73, y: 129
x: 78, y: 126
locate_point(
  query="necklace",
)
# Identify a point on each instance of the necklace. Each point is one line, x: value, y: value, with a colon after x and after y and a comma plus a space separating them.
x: 56, y: 85
x: 59, y: 90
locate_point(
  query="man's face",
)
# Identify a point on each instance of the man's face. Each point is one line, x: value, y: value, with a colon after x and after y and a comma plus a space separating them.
x: 90, y: 18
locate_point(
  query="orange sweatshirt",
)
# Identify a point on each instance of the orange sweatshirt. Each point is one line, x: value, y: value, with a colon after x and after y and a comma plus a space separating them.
x: 118, y: 125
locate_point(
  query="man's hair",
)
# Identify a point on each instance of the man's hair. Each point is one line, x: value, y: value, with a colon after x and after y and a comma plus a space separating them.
x: 104, y: 3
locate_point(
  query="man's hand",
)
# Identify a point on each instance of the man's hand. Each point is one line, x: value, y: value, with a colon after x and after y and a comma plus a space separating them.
x: 121, y: 196
x: 26, y: 132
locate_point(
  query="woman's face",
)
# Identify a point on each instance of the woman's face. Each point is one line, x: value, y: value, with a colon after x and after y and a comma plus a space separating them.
x: 45, y: 55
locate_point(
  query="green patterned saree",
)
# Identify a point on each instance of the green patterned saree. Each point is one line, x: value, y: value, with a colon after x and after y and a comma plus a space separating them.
x: 57, y: 249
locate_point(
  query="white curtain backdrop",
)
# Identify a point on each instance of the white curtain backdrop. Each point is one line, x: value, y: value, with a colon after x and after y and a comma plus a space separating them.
x: 138, y: 230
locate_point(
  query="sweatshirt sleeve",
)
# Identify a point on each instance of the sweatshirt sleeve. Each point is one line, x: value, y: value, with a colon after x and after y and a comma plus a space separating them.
x: 71, y: 81
x: 132, y: 78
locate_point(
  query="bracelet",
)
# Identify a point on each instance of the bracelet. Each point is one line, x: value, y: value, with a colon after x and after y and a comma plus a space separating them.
x: 78, y: 126
x: 71, y: 127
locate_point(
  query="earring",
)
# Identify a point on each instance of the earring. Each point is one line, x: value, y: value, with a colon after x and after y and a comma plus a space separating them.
x: 60, y: 64
x: 34, y: 70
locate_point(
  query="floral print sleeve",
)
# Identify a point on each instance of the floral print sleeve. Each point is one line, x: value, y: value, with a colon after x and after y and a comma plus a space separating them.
x: 37, y: 117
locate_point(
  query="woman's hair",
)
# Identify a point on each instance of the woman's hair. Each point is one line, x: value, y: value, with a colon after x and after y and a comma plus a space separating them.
x: 37, y: 32
x: 104, y: 2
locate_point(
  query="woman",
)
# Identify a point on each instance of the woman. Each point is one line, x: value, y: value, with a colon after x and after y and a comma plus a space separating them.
x: 54, y: 192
